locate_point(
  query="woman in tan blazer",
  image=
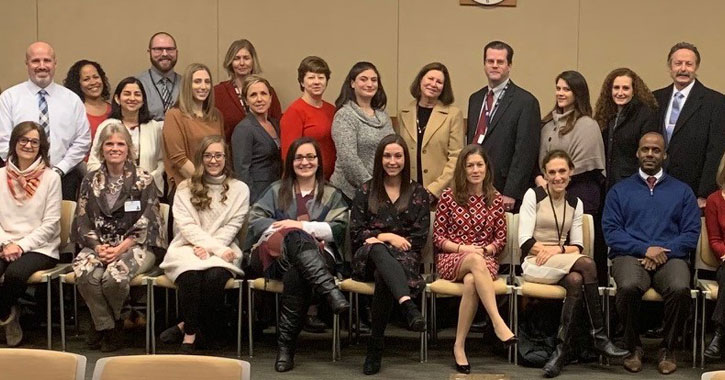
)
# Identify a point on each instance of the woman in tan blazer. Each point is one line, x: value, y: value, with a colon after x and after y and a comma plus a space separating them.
x: 432, y: 128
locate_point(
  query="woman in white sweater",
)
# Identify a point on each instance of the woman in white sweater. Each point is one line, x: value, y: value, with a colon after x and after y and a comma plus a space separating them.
x: 30, y: 200
x: 209, y: 210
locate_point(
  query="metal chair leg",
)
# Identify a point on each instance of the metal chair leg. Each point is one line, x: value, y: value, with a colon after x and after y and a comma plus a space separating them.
x: 702, y: 331
x: 424, y: 334
x: 357, y: 318
x: 50, y: 314
x: 75, y: 310
x: 349, y: 319
x: 276, y: 314
x: 239, y: 321
x: 166, y: 308
x: 694, y: 335
x: 516, y: 328
x: 149, y: 321
x: 153, y: 313
x: 250, y: 317
x: 335, y: 320
x: 62, y: 314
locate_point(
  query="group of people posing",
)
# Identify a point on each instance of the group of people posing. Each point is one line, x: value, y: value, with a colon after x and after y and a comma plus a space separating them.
x: 222, y: 155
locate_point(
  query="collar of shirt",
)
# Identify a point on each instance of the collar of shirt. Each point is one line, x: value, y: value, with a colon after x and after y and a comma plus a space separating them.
x: 685, y: 91
x: 497, y: 90
x: 644, y: 175
x: 170, y: 75
x: 34, y: 88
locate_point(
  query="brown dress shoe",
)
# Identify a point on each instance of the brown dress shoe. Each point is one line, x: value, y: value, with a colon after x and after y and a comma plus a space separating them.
x: 633, y: 362
x: 667, y: 362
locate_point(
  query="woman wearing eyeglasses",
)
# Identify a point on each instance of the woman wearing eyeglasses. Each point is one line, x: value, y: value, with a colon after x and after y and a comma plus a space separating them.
x: 209, y: 210
x: 30, y: 199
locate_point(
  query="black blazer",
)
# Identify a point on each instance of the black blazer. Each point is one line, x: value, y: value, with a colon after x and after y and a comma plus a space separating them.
x: 622, y: 140
x: 257, y: 158
x: 512, y: 139
x: 698, y: 140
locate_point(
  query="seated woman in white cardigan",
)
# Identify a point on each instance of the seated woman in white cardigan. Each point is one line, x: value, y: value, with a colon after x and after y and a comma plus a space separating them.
x: 30, y: 199
x: 209, y: 210
x: 550, y: 234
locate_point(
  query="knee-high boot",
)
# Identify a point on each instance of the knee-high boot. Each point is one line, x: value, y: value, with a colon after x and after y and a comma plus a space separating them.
x: 596, y: 318
x: 558, y: 358
x: 292, y: 311
x: 314, y: 270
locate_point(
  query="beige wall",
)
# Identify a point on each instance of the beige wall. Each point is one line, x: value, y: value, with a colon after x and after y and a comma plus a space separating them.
x: 399, y: 36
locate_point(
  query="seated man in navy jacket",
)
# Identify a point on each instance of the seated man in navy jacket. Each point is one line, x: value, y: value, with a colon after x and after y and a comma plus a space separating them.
x: 651, y: 223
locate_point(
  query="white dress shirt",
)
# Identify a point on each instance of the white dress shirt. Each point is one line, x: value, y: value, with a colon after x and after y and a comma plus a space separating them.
x: 685, y: 92
x: 70, y: 134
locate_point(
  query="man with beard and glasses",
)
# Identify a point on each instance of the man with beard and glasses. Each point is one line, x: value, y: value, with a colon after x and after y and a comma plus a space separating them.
x: 58, y: 110
x: 651, y: 224
x: 160, y: 81
x: 692, y: 120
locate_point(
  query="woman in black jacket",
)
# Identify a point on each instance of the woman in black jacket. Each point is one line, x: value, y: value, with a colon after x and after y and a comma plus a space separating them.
x: 625, y: 111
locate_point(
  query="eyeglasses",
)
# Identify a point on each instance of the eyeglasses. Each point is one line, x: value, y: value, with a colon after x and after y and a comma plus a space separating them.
x: 216, y: 156
x: 34, y: 143
x: 309, y: 158
x: 161, y: 49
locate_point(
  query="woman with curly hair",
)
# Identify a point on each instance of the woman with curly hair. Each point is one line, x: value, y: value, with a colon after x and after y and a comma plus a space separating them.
x: 209, y: 210
x: 88, y: 80
x: 625, y: 111
x: 118, y: 228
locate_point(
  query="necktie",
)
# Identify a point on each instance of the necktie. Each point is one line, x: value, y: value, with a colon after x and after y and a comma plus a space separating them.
x: 674, y: 114
x: 651, y: 181
x: 482, y: 125
x: 165, y: 93
x: 43, y: 119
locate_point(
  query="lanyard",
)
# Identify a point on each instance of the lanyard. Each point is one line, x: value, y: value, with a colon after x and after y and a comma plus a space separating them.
x: 171, y: 91
x: 559, y: 231
x: 489, y: 114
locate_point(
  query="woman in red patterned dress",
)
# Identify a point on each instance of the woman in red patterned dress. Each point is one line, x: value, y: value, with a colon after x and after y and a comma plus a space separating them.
x: 469, y: 234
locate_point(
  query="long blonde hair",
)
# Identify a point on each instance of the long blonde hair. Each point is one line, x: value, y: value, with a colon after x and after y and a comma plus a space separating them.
x: 186, y: 96
x: 197, y: 186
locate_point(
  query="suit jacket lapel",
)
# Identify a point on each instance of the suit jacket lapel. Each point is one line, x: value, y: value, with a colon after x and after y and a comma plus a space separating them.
x: 502, y: 106
x: 476, y: 104
x: 437, y: 117
x: 408, y: 117
x: 693, y: 102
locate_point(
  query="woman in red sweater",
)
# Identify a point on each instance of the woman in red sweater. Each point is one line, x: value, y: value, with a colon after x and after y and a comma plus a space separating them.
x: 715, y: 223
x: 310, y: 115
x: 240, y: 61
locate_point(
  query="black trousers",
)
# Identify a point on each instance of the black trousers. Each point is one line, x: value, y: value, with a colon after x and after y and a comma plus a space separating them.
x: 16, y: 277
x: 391, y: 284
x: 671, y: 280
x: 71, y: 182
x: 718, y: 315
x: 201, y: 296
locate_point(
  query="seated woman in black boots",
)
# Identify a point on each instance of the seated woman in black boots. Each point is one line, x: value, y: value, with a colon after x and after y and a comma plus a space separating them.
x: 550, y: 234
x: 295, y: 229
x: 389, y: 227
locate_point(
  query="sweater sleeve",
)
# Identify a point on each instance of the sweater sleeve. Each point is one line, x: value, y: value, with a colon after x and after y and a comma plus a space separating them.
x: 174, y: 139
x: 500, y: 232
x: 291, y: 128
x: 527, y: 221
x: 243, y: 143
x: 225, y: 235
x: 685, y: 242
x: 93, y: 162
x: 576, y: 234
x: 619, y: 241
x: 345, y: 135
x: 455, y: 145
x: 49, y: 228
x: 442, y: 221
x: 714, y: 232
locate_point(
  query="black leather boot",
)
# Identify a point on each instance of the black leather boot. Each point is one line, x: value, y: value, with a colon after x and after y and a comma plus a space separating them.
x: 413, y: 316
x: 558, y: 358
x: 713, y: 349
x: 374, y: 356
x: 596, y: 318
x: 292, y: 311
x: 314, y: 270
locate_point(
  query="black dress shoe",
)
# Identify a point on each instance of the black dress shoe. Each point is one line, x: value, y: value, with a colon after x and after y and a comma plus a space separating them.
x: 187, y: 348
x: 285, y: 359
x: 510, y: 341
x: 463, y: 368
x: 172, y: 335
x: 313, y: 324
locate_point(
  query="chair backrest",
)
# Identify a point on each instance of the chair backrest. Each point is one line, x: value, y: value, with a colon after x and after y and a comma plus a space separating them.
x: 588, y: 235
x: 170, y: 367
x: 165, y: 209
x: 67, y: 213
x: 427, y: 254
x: 704, y: 257
x: 21, y: 363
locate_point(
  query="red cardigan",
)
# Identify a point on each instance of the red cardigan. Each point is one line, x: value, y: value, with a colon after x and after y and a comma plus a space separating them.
x: 228, y: 103
x: 301, y: 119
x: 715, y: 222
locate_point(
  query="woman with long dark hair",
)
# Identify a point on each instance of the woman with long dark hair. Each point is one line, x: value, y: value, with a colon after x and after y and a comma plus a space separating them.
x: 389, y: 227
x: 469, y: 234
x: 88, y: 80
x: 296, y: 231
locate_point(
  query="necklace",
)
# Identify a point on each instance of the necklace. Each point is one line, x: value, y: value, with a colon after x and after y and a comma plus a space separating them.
x: 114, y: 186
x: 559, y: 231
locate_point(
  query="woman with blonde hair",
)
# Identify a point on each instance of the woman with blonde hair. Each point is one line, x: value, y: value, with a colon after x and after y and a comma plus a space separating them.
x: 192, y: 118
x: 240, y: 61
x: 209, y: 210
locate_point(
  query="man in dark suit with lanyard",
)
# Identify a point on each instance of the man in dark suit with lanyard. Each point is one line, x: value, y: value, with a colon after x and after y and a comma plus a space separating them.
x: 505, y: 119
x: 160, y: 81
x: 692, y: 118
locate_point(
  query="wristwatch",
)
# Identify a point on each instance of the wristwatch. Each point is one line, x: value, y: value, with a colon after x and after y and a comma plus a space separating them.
x: 59, y: 171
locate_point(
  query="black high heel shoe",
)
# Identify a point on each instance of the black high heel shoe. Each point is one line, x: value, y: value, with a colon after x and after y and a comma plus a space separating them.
x: 510, y: 341
x: 462, y: 368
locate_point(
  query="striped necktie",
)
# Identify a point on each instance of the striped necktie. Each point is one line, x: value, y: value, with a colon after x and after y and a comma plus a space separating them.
x: 43, y: 120
x: 165, y: 93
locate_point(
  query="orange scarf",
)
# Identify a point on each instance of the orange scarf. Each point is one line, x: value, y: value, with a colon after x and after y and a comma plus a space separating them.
x: 23, y: 184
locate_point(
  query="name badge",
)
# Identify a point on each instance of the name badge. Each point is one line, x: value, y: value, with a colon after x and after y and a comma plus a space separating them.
x: 130, y: 206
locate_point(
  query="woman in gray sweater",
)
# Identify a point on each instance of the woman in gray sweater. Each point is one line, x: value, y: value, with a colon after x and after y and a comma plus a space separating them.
x: 359, y: 124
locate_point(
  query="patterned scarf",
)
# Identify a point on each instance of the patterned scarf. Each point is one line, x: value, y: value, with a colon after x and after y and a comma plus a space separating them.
x: 23, y: 183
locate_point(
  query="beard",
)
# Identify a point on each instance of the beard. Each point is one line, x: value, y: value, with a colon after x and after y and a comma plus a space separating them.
x: 158, y: 66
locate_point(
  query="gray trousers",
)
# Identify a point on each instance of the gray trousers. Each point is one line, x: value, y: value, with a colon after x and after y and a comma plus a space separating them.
x: 106, y: 287
x: 671, y: 280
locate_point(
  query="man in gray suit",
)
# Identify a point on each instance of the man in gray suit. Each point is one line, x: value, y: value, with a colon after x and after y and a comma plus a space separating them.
x: 160, y: 81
